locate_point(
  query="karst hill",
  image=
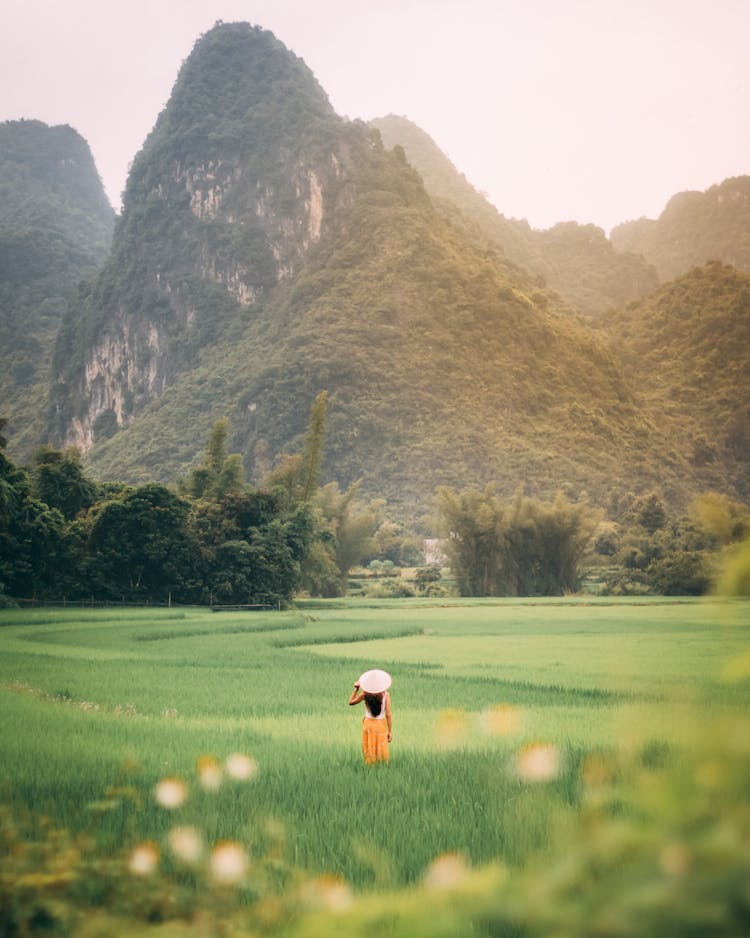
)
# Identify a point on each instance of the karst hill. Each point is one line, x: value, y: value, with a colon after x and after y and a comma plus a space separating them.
x: 269, y: 249
x: 695, y: 227
x: 685, y: 348
x: 55, y: 230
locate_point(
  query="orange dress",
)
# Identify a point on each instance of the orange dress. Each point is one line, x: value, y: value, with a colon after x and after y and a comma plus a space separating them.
x: 375, y: 735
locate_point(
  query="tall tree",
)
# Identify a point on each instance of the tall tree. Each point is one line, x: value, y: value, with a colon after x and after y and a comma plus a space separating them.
x: 351, y: 528
x: 59, y: 480
x: 140, y: 547
x: 522, y: 548
x: 545, y: 545
x: 723, y: 519
x: 312, y: 451
x: 473, y: 525
x: 219, y: 473
x: 34, y: 555
x: 297, y: 475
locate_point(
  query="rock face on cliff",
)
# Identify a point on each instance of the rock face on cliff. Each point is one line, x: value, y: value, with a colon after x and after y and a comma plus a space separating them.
x: 55, y: 230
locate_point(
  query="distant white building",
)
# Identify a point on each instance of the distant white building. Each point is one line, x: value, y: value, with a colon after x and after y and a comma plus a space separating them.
x: 433, y: 551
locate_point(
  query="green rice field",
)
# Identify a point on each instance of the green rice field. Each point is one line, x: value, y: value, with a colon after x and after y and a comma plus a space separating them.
x: 499, y: 707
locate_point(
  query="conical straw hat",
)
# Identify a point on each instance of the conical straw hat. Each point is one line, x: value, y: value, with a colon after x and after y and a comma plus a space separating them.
x: 375, y: 681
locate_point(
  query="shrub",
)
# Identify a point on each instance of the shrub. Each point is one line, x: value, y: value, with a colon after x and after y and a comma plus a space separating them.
x: 390, y: 589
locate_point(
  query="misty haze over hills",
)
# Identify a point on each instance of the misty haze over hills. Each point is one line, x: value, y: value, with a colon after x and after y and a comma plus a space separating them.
x: 268, y: 249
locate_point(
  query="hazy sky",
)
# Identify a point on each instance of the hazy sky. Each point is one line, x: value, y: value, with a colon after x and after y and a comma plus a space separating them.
x: 587, y: 110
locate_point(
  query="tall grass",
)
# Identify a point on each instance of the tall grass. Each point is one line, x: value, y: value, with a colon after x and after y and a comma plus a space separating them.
x: 97, y: 700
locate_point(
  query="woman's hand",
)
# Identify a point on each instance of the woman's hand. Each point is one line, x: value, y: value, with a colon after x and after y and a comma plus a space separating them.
x: 390, y: 737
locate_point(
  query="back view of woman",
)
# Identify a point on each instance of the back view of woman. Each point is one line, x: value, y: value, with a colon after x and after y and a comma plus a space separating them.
x: 377, y: 725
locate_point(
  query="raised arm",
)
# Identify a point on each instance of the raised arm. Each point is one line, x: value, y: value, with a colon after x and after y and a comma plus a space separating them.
x: 357, y: 696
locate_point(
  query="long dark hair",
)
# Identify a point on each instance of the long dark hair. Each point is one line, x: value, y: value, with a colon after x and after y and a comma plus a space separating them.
x: 374, y: 703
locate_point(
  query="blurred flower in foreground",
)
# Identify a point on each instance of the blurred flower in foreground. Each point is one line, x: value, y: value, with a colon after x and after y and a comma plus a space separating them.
x: 186, y: 844
x: 674, y: 859
x: 209, y: 772
x: 445, y: 872
x: 537, y: 762
x: 170, y: 793
x: 228, y: 862
x: 328, y: 892
x: 738, y: 669
x: 143, y: 859
x: 501, y: 720
x: 452, y: 728
x: 596, y: 771
x: 709, y: 774
x: 240, y: 767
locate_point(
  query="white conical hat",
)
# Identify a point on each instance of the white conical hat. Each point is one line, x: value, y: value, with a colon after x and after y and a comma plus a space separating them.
x: 375, y: 681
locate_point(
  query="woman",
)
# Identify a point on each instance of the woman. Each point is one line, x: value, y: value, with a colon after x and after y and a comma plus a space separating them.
x: 377, y: 725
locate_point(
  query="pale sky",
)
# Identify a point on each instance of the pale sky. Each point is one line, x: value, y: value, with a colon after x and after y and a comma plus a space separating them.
x: 559, y: 110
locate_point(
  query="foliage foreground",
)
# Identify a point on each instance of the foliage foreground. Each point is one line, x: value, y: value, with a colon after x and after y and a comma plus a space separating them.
x: 559, y: 768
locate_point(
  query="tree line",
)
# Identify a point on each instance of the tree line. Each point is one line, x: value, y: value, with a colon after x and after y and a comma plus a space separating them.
x: 528, y: 547
x: 209, y: 538
x: 213, y: 538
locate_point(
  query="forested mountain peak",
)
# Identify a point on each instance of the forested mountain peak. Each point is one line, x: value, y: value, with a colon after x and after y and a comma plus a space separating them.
x: 695, y: 227
x: 441, y: 177
x: 578, y: 261
x: 49, y: 177
x: 685, y: 347
x: 269, y: 249
x: 239, y: 94
x: 222, y: 204
x: 55, y: 229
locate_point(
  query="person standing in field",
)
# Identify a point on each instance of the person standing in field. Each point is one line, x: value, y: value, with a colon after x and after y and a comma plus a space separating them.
x: 377, y: 725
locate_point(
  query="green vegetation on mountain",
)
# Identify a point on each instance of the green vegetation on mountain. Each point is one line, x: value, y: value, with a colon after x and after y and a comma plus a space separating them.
x: 580, y: 262
x: 695, y: 227
x: 685, y: 348
x: 269, y: 250
x: 55, y: 230
x: 282, y: 251
x: 577, y: 261
x: 438, y: 369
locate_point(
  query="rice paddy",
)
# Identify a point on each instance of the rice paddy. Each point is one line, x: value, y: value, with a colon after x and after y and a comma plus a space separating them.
x: 489, y: 698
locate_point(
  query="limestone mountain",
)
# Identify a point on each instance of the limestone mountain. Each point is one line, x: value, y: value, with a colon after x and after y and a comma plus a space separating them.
x: 695, y: 227
x: 269, y: 249
x: 578, y: 261
x: 221, y: 205
x: 55, y: 229
x: 686, y: 348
